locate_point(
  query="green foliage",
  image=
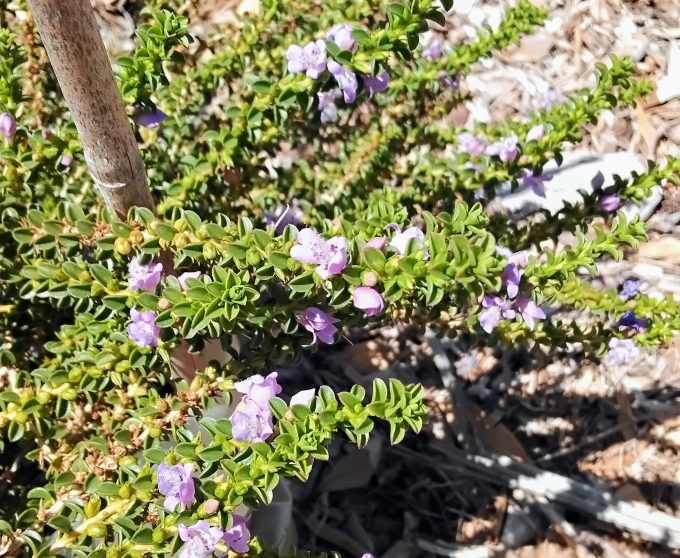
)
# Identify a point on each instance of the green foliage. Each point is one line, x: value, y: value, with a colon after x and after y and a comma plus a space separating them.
x: 243, y: 138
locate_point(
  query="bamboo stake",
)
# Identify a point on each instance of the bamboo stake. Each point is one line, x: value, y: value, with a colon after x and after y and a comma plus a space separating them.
x: 69, y: 31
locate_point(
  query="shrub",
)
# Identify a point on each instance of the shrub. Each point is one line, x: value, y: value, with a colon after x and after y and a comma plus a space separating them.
x: 379, y: 214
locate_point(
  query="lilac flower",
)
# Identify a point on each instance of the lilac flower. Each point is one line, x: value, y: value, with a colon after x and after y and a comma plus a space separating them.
x: 536, y: 133
x: 144, y: 277
x: 319, y: 324
x: 259, y: 389
x: 187, y: 275
x: 433, y: 51
x: 610, y: 203
x: 329, y: 255
x: 377, y: 84
x: 597, y: 181
x: 631, y: 287
x: 290, y: 214
x: 448, y: 81
x: 8, y: 126
x: 550, y: 98
x: 327, y: 106
x: 346, y: 79
x: 621, y: 351
x: 377, y: 242
x: 342, y: 35
x: 143, y: 330
x: 536, y: 182
x: 201, y: 539
x: 149, y: 117
x: 66, y: 161
x: 304, y: 398
x: 520, y: 259
x: 474, y: 145
x: 237, y: 536
x: 400, y: 242
x: 529, y: 311
x: 630, y: 320
x: 250, y: 423
x: 505, y: 149
x: 310, y: 59
x: 512, y: 275
x: 495, y: 309
x: 177, y: 485
x: 368, y: 300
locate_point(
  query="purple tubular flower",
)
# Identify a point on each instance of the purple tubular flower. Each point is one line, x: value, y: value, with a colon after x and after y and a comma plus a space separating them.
x: 259, y: 390
x: 329, y: 255
x: 346, y: 79
x: 319, y: 324
x: 631, y: 287
x: 377, y: 242
x: 237, y: 536
x: 506, y: 149
x: 368, y: 300
x: 536, y: 133
x: 315, y: 53
x: 512, y: 275
x: 149, y: 117
x: 143, y: 330
x: 401, y: 241
x: 8, y: 126
x: 297, y: 61
x: 310, y: 59
x: 304, y: 398
x: 377, y: 84
x: 144, y: 277
x: 495, y: 309
x: 327, y: 106
x: 290, y: 214
x: 187, y: 275
x: 250, y: 423
x: 630, y: 320
x: 597, y: 181
x: 621, y: 351
x: 201, y: 539
x: 549, y: 98
x: 474, y: 145
x: 433, y: 51
x: 520, y: 259
x: 529, y: 311
x: 177, y: 485
x: 342, y: 35
x: 536, y: 182
x: 448, y: 81
x: 610, y: 203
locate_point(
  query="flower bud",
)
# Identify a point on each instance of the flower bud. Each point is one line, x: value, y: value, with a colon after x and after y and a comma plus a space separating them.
x: 75, y: 375
x: 221, y: 490
x: 122, y: 246
x: 158, y: 535
x: 92, y: 507
x: 125, y: 491
x: 369, y: 279
x: 69, y: 394
x: 96, y: 530
x: 136, y: 238
x: 44, y: 397
x: 163, y: 304
x: 20, y: 417
x: 209, y: 250
x: 155, y: 432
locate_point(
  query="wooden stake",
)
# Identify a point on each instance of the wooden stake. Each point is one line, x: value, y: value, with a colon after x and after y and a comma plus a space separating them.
x: 69, y: 31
